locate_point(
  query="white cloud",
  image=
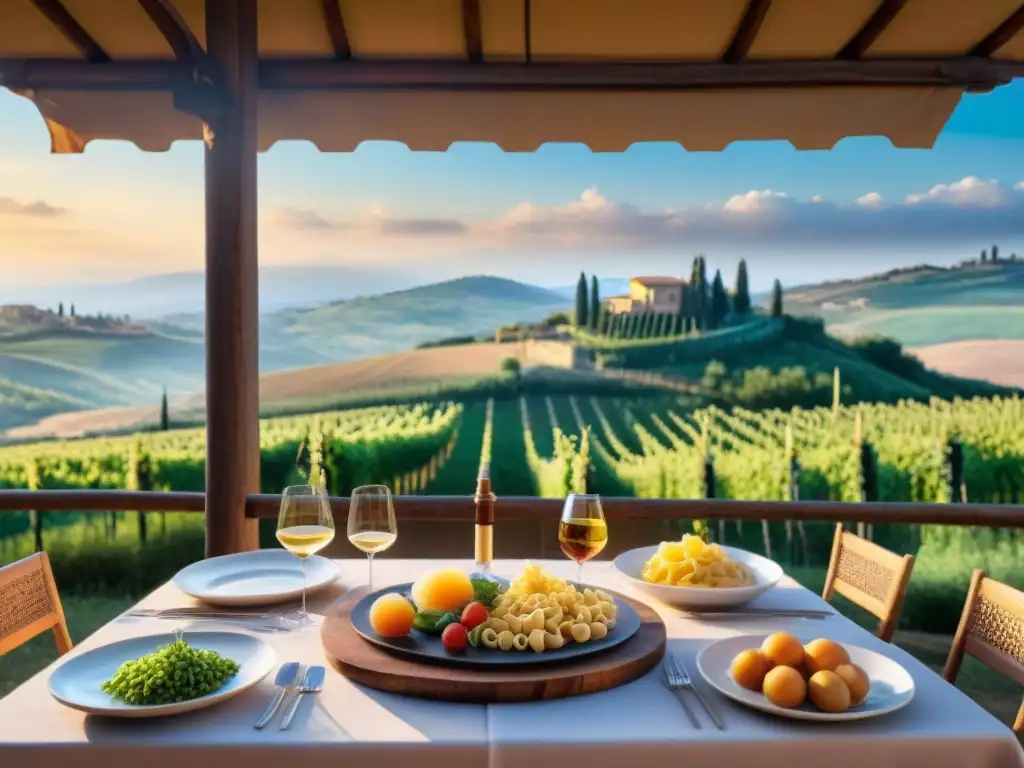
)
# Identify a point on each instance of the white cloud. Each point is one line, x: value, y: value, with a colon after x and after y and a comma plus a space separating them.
x: 39, y: 209
x: 963, y: 211
x: 870, y: 200
x: 969, y: 191
x: 754, y: 200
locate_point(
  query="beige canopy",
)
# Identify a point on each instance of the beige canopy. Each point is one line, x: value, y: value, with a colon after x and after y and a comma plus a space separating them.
x: 606, y: 73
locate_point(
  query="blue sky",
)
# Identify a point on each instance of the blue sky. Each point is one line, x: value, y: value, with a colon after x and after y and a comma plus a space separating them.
x: 116, y: 213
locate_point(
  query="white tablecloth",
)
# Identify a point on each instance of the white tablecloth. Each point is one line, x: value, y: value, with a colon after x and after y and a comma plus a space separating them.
x: 351, y: 725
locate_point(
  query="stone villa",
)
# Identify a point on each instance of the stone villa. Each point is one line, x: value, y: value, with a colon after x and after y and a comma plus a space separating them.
x: 649, y: 294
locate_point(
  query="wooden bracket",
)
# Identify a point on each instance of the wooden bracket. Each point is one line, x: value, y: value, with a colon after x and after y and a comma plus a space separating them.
x: 198, y: 88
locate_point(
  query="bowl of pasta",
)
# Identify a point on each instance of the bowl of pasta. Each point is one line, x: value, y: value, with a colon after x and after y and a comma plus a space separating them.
x: 695, y: 575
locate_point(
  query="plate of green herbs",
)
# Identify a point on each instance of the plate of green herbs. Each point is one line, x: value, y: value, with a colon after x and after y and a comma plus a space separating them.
x: 160, y: 675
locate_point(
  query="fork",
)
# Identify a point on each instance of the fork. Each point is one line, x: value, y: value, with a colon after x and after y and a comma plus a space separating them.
x: 683, y: 681
x: 675, y: 684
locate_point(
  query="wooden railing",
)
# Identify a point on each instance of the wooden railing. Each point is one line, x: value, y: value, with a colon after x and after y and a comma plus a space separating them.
x: 527, y: 508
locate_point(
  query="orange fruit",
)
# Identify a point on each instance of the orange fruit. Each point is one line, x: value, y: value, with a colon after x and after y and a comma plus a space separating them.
x: 782, y: 649
x: 822, y: 654
x: 391, y: 615
x: 447, y: 589
x: 749, y: 668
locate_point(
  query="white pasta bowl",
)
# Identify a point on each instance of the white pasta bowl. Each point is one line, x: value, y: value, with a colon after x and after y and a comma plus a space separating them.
x: 766, y: 574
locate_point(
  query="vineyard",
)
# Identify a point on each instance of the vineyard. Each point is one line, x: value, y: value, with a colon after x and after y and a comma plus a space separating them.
x: 548, y: 446
x: 647, y: 448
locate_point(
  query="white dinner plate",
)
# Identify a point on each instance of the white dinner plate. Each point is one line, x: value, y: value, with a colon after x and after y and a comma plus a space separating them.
x: 77, y: 682
x: 892, y: 687
x: 766, y: 575
x: 263, y: 577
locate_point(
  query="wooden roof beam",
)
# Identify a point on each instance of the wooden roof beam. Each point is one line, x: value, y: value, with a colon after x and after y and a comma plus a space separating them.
x: 471, y: 31
x: 58, y: 15
x: 198, y: 88
x: 872, y: 30
x: 335, y: 24
x: 747, y: 31
x: 1001, y: 35
x: 972, y: 74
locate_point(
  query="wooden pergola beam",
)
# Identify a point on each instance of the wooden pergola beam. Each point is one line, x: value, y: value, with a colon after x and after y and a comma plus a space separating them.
x: 1001, y: 35
x: 872, y: 29
x: 970, y: 73
x: 335, y: 23
x: 232, y: 290
x: 747, y: 31
x: 471, y: 31
x: 58, y: 15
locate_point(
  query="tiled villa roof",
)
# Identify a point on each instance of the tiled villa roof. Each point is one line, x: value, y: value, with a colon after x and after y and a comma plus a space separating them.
x: 659, y: 280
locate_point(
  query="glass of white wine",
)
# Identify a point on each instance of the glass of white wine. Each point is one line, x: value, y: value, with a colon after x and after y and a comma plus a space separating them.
x: 304, y: 527
x: 371, y: 522
x: 582, y: 531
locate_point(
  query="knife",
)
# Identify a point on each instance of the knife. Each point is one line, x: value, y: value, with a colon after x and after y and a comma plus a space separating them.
x: 760, y: 614
x: 287, y: 677
x: 313, y: 682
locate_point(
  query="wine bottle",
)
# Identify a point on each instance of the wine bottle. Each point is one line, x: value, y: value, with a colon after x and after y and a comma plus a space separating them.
x: 484, y: 499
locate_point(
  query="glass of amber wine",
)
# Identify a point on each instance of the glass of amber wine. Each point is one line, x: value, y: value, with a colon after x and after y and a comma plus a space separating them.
x: 304, y: 527
x: 582, y: 531
x: 371, y: 522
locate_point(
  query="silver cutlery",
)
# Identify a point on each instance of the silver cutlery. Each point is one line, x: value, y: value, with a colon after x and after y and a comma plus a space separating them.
x: 287, y: 678
x: 781, y: 613
x: 313, y: 682
x: 197, y: 611
x: 675, y: 684
x: 679, y: 678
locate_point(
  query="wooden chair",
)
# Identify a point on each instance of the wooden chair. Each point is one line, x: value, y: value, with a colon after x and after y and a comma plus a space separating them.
x: 992, y: 631
x: 30, y: 605
x: 869, y: 576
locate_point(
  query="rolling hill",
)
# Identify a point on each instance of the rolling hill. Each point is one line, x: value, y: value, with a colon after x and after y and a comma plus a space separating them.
x: 101, y: 362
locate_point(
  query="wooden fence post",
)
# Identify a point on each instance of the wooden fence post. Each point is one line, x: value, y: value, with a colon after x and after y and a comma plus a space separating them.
x: 955, y: 471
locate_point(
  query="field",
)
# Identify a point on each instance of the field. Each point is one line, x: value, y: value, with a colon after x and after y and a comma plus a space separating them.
x: 926, y: 326
x: 1001, y: 362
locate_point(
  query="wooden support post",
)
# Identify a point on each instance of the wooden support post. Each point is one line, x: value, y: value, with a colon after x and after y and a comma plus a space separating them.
x: 232, y: 302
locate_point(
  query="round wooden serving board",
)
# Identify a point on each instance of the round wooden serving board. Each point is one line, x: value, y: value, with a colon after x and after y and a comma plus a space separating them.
x: 375, y: 667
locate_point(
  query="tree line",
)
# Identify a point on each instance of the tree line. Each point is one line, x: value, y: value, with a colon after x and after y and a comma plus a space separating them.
x: 704, y: 306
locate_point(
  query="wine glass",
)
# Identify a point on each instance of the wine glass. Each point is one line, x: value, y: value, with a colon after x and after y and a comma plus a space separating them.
x: 304, y: 527
x: 371, y: 522
x: 582, y: 531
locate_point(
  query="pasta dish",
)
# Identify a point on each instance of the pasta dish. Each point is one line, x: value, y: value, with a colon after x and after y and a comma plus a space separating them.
x: 693, y: 563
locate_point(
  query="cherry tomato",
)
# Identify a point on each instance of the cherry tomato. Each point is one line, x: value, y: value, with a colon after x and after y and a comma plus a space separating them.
x: 473, y: 615
x: 454, y: 638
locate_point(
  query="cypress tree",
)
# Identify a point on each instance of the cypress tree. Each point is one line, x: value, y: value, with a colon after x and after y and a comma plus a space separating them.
x: 719, y: 301
x: 595, y: 304
x: 165, y: 418
x: 60, y: 309
x: 995, y: 253
x: 664, y: 325
x: 984, y: 256
x: 581, y: 301
x: 776, y: 298
x: 700, y: 308
x: 742, y: 301
x: 72, y: 310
